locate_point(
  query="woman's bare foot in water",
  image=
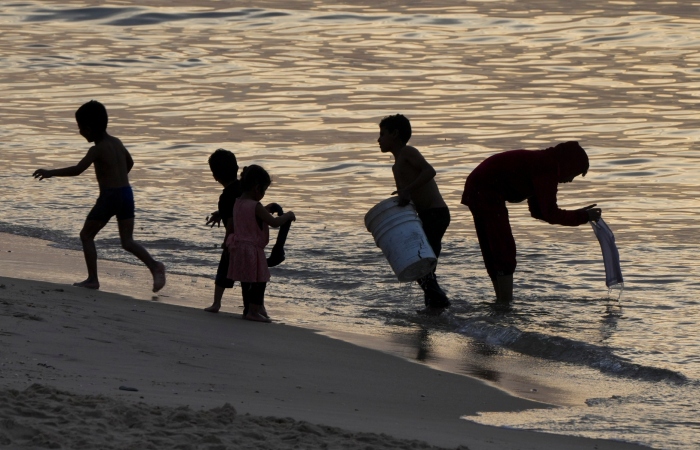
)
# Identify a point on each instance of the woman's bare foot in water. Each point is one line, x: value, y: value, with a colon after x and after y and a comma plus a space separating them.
x: 214, y: 308
x: 89, y: 284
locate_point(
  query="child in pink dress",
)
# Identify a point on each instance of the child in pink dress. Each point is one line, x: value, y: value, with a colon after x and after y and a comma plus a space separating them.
x: 251, y: 222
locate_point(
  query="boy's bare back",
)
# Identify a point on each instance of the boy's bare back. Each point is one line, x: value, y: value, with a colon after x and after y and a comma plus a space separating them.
x: 407, y: 169
x: 112, y: 162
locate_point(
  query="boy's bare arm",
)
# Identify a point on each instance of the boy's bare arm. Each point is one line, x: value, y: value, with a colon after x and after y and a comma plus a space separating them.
x: 71, y: 171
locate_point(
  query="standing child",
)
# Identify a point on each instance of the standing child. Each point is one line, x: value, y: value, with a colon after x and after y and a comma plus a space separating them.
x: 224, y: 169
x: 112, y: 164
x: 251, y: 222
x: 415, y: 182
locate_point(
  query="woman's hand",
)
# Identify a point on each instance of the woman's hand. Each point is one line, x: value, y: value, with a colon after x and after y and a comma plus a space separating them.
x: 593, y: 212
x: 42, y: 173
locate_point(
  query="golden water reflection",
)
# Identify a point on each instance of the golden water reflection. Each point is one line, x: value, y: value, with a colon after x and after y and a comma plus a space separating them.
x: 300, y: 87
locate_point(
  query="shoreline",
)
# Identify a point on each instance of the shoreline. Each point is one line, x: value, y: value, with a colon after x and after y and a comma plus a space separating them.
x: 34, y: 258
x: 92, y: 342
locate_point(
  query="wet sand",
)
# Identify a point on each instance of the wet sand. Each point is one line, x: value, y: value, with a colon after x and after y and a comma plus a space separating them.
x: 99, y: 369
x: 519, y: 375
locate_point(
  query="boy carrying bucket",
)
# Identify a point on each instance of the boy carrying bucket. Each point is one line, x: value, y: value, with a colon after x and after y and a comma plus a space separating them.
x: 415, y: 182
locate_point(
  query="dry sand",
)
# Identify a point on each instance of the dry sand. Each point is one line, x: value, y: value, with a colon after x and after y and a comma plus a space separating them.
x: 93, y: 369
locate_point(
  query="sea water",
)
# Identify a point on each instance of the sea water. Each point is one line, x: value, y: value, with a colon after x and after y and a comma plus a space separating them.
x: 299, y: 88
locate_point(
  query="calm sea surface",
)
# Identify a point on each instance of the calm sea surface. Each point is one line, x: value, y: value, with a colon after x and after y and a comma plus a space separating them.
x: 301, y: 91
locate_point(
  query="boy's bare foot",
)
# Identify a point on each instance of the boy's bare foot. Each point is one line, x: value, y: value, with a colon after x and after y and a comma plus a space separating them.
x: 255, y: 317
x: 88, y: 284
x: 214, y: 308
x: 159, y: 277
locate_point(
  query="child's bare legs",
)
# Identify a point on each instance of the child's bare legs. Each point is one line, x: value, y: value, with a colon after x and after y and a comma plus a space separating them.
x: 218, y: 294
x: 126, y: 231
x: 87, y: 237
x: 255, y: 314
x: 254, y: 295
x: 221, y: 282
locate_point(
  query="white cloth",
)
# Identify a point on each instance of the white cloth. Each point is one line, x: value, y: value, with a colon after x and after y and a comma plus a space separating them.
x: 611, y: 257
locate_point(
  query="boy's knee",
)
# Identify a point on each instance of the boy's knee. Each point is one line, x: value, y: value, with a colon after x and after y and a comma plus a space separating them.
x: 128, y: 244
x: 86, y: 236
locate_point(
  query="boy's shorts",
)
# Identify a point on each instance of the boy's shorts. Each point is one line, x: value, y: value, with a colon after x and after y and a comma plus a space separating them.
x: 435, y: 223
x: 222, y: 279
x: 113, y: 202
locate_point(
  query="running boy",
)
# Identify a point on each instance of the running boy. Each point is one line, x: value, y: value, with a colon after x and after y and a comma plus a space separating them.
x: 415, y: 182
x: 112, y: 164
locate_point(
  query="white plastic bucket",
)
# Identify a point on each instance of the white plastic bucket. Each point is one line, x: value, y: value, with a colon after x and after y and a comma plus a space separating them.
x: 398, y: 231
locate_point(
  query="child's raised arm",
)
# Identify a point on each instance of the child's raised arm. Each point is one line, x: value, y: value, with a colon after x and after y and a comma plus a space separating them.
x: 263, y: 214
x: 71, y: 171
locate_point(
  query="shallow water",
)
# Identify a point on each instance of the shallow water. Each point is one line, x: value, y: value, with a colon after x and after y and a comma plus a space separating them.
x: 301, y: 91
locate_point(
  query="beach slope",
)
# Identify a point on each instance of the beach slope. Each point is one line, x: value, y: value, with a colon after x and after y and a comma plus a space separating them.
x: 90, y: 369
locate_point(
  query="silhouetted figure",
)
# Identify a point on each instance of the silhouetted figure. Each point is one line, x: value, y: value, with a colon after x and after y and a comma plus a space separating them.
x: 515, y: 176
x: 415, y: 182
x: 112, y: 163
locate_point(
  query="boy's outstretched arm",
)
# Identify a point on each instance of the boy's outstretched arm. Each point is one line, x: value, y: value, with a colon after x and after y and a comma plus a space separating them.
x: 68, y: 171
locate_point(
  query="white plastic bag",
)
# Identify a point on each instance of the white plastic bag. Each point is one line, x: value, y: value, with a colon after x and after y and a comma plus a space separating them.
x: 611, y: 257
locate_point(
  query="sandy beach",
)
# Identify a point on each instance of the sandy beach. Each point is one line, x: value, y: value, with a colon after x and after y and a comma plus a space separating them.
x: 96, y: 369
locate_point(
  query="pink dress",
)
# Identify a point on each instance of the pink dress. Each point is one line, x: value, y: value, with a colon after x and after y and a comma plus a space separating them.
x: 247, y: 245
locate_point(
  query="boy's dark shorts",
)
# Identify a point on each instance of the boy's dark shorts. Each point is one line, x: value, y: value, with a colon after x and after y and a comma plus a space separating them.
x: 222, y: 279
x: 113, y: 202
x: 435, y: 223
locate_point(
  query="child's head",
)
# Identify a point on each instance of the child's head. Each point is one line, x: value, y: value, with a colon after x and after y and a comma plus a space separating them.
x: 255, y: 179
x: 398, y: 123
x: 92, y: 118
x: 224, y: 166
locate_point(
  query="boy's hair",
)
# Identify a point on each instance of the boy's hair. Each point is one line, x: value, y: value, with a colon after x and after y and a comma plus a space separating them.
x: 254, y: 175
x: 223, y: 165
x: 92, y: 115
x: 400, y: 123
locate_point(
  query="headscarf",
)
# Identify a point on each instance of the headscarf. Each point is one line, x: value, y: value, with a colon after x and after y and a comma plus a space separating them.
x: 572, y: 160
